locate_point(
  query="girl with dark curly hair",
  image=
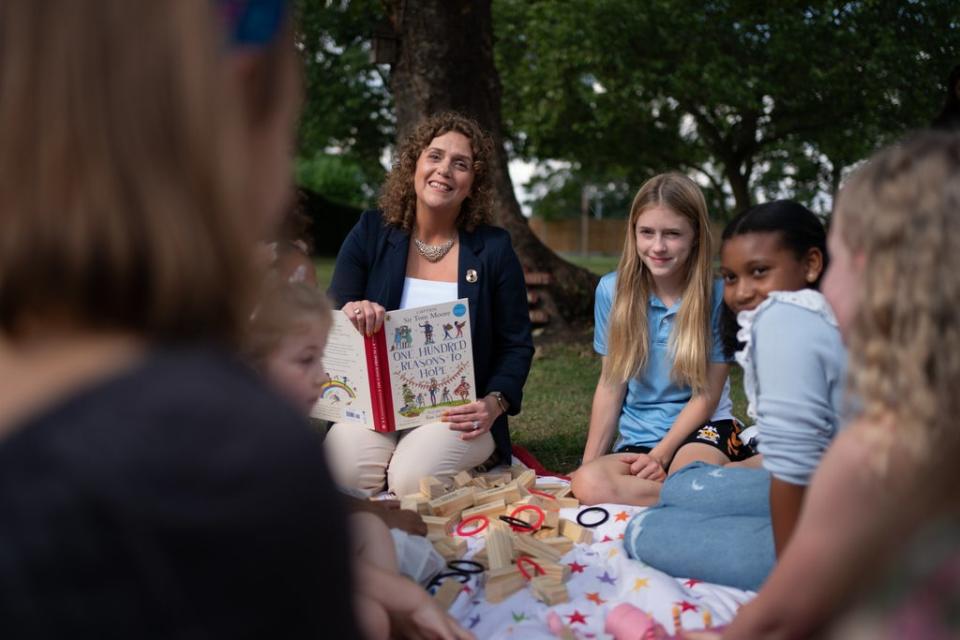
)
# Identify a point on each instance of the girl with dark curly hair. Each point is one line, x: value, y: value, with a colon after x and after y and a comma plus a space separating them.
x: 894, y: 286
x: 430, y: 242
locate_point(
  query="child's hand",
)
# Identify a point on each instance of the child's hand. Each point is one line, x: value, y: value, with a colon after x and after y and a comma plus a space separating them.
x: 430, y: 622
x: 403, y: 519
x: 647, y: 467
x: 413, y: 613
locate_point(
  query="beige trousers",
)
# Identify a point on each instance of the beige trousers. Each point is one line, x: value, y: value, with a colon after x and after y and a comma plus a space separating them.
x: 365, y: 459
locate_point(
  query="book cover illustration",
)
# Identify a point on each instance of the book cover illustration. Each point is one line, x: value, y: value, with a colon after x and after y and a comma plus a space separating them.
x: 407, y: 374
x: 430, y: 360
x: 344, y: 397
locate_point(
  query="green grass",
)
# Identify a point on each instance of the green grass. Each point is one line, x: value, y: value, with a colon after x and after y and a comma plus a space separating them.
x: 324, y: 271
x: 556, y: 404
x: 559, y: 391
x: 557, y: 397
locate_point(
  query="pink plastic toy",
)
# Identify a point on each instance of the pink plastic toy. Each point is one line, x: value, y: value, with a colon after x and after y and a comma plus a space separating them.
x: 626, y: 622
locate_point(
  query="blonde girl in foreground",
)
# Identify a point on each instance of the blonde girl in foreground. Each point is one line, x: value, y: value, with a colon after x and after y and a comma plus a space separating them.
x: 285, y: 341
x: 894, y: 283
x: 661, y: 401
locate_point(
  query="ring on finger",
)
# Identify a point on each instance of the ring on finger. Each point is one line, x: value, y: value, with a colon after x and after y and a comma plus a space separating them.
x: 476, y: 425
x: 357, y: 311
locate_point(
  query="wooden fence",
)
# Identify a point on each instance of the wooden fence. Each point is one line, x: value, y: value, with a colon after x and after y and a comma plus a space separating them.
x: 591, y: 236
x: 576, y: 235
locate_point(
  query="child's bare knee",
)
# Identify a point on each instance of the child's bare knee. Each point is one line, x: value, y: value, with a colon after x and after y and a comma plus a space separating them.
x: 589, y: 485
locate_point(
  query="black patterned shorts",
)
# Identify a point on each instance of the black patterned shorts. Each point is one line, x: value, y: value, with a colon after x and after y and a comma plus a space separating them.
x: 723, y: 435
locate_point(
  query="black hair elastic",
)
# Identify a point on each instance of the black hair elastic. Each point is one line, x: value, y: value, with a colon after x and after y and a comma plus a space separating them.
x: 517, y: 522
x: 462, y: 576
x: 606, y: 516
x: 469, y: 567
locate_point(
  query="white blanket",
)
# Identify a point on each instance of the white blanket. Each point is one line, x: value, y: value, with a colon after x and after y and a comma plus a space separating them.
x: 602, y: 576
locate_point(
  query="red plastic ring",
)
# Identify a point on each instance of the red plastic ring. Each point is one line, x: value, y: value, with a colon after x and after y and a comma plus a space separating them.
x: 529, y: 507
x: 482, y: 519
x: 536, y: 567
x: 542, y: 494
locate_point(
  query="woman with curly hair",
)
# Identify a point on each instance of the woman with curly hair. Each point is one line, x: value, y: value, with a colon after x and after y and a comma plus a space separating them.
x: 431, y: 242
x: 894, y: 286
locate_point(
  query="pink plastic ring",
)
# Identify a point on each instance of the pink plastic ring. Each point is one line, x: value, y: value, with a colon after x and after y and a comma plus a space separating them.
x: 530, y: 507
x: 538, y: 570
x: 482, y: 519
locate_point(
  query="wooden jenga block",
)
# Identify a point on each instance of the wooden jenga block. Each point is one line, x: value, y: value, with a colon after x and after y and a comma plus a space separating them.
x: 459, y: 545
x: 450, y: 548
x: 481, y: 557
x: 556, y: 490
x: 540, y: 501
x: 527, y: 515
x: 568, y: 503
x: 462, y: 479
x: 547, y: 487
x: 575, y: 532
x: 552, y: 519
x: 432, y: 487
x: 558, y: 571
x: 502, y: 583
x: 444, y: 549
x: 454, y: 502
x: 527, y: 479
x: 447, y: 594
x: 491, y: 510
x: 480, y: 483
x: 536, y: 548
x: 499, y: 545
x: 415, y: 502
x: 549, y: 590
x: 496, y: 478
x: 442, y: 525
x: 517, y: 470
x: 509, y: 493
x: 560, y: 543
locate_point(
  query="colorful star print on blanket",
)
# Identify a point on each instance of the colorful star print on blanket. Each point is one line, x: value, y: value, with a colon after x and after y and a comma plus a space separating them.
x: 601, y: 577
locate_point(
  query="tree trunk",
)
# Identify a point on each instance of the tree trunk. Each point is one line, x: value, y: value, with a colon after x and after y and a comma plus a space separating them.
x: 740, y: 185
x: 445, y: 62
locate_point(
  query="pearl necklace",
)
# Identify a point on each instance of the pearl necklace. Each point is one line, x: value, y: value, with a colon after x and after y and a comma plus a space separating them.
x: 433, y: 252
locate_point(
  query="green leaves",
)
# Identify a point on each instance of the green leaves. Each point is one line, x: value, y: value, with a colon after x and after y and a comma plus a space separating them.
x: 760, y: 99
x: 347, y: 108
x: 755, y: 99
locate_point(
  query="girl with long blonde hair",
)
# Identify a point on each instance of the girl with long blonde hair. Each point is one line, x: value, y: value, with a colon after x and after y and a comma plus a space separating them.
x: 657, y: 327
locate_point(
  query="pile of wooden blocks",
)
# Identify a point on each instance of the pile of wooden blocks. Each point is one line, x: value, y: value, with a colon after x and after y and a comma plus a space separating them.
x: 512, y: 555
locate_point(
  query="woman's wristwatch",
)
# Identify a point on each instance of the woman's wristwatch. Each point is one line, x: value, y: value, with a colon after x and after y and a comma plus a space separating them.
x: 501, y: 401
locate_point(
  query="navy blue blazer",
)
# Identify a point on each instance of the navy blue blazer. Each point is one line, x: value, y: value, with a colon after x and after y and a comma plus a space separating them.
x: 372, y: 265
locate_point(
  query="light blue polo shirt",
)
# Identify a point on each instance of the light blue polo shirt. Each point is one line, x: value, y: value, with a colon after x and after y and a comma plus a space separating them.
x: 653, y: 401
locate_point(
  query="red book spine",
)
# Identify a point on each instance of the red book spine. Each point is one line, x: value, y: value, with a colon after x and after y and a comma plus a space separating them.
x: 383, y: 374
x: 375, y: 347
